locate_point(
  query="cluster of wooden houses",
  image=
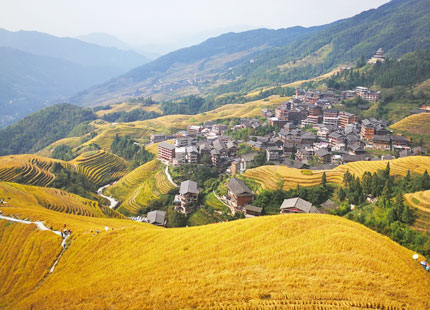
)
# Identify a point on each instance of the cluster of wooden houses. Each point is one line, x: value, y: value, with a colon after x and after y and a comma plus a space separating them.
x: 307, y: 135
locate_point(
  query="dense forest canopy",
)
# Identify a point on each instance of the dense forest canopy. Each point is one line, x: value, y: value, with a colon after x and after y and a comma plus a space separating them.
x: 42, y: 128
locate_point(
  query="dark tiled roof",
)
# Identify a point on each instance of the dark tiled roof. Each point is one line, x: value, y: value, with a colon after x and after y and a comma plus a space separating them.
x: 299, y: 203
x: 238, y: 187
x: 156, y: 217
x: 166, y: 145
x: 188, y: 187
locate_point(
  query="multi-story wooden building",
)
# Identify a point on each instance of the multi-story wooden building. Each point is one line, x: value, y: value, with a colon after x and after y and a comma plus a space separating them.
x: 346, y: 118
x: 188, y: 197
x: 166, y: 152
x: 239, y: 194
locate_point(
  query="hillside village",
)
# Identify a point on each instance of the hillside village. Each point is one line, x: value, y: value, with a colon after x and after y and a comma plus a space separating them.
x: 304, y: 132
x: 309, y: 131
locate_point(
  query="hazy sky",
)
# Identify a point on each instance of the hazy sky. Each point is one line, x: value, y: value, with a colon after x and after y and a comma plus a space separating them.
x: 162, y: 20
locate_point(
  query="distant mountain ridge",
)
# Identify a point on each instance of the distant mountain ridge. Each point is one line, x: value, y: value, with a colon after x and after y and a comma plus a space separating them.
x: 248, y: 60
x: 71, y: 49
x: 37, y: 69
x: 201, y: 62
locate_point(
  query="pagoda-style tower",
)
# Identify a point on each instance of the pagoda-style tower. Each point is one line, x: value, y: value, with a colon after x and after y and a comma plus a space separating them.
x: 379, y: 56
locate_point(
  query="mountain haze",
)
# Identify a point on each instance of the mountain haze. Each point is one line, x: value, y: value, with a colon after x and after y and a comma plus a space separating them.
x: 38, y: 69
x: 189, y: 70
x: 70, y: 49
x: 223, y: 64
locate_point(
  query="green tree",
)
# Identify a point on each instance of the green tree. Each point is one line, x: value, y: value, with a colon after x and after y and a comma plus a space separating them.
x: 407, y: 216
x: 324, y: 180
x: 341, y: 194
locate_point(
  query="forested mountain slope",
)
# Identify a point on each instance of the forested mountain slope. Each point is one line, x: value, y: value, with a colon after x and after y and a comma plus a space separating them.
x: 42, y: 128
x: 37, y: 69
x: 192, y: 69
x: 242, y: 62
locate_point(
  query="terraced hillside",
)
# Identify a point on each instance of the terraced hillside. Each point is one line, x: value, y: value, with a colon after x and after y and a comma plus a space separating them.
x: 27, y: 169
x: 128, y: 107
x: 71, y: 142
x: 415, y: 124
x: 23, y: 196
x: 271, y: 177
x: 142, y: 129
x: 26, y: 256
x: 285, y: 261
x: 416, y: 127
x: 100, y: 167
x: 140, y: 186
x: 420, y: 201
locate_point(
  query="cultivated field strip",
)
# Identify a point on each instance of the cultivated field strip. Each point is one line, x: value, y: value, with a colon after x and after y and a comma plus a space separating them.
x: 26, y: 255
x: 17, y: 195
x: 272, y: 262
x: 140, y: 186
x: 271, y: 177
x: 162, y: 183
x: 415, y: 124
x: 420, y: 202
x: 140, y: 129
x: 101, y: 167
x: 26, y: 169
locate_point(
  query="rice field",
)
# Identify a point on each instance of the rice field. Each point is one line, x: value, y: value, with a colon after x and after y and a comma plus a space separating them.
x: 273, y: 262
x: 271, y: 177
x: 128, y: 107
x: 162, y: 184
x: 23, y: 196
x: 26, y: 169
x: 26, y: 256
x: 420, y: 202
x: 71, y: 142
x: 415, y: 124
x: 213, y: 202
x: 100, y: 167
x: 140, y: 186
x: 143, y: 129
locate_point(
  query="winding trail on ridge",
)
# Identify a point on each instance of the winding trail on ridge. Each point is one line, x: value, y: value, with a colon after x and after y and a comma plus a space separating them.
x: 169, y: 177
x: 113, y: 202
x: 42, y: 227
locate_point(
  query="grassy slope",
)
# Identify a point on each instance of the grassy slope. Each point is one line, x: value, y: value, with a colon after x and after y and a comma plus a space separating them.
x: 71, y: 142
x: 270, y: 176
x: 301, y: 261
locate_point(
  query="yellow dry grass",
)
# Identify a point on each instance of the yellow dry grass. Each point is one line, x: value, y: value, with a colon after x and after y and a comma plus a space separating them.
x: 277, y: 262
x: 26, y: 254
x: 269, y: 177
x: 22, y: 196
x: 420, y: 201
x: 415, y: 124
x: 100, y: 167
